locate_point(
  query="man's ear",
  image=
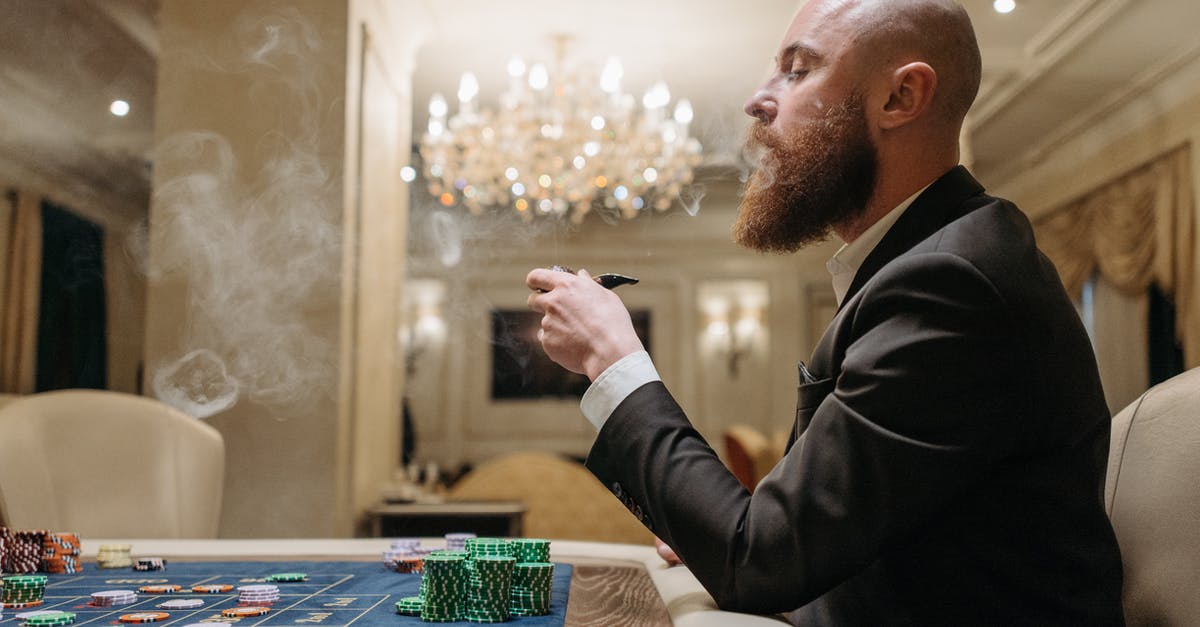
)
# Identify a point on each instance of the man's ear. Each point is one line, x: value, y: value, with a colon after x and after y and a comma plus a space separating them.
x: 911, y: 91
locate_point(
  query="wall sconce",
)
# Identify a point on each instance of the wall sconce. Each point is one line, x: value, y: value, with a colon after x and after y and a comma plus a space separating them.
x: 733, y: 315
x: 423, y: 325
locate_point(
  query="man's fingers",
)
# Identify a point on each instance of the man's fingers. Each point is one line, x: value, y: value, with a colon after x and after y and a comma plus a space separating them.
x: 541, y: 279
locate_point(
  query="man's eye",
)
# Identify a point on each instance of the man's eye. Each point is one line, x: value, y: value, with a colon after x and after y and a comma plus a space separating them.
x: 796, y: 74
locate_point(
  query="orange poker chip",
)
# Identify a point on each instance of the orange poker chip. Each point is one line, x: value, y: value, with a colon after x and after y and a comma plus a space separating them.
x: 242, y: 612
x: 20, y: 605
x: 159, y: 589
x: 212, y: 588
x: 144, y: 617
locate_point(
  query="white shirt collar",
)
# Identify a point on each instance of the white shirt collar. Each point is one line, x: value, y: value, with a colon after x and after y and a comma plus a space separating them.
x: 849, y: 258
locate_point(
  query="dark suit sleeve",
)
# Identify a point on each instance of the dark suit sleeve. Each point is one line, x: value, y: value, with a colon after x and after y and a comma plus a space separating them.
x: 928, y: 382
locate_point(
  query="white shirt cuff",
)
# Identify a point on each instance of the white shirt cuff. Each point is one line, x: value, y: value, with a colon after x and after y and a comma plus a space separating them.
x: 614, y: 384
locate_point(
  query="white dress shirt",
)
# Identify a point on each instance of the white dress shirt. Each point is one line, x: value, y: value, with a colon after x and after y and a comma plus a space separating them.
x: 635, y: 370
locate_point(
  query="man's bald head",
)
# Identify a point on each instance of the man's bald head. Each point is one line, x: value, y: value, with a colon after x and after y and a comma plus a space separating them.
x: 889, y: 33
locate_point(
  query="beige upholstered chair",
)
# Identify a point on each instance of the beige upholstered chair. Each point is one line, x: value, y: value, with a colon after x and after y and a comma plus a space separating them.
x: 109, y: 465
x: 1153, y: 499
x: 564, y: 500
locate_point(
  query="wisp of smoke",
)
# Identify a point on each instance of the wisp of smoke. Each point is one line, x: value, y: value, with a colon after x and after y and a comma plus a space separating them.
x: 257, y: 248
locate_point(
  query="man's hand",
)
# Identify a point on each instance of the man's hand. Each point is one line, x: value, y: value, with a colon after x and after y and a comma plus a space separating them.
x: 585, y: 327
x: 667, y: 553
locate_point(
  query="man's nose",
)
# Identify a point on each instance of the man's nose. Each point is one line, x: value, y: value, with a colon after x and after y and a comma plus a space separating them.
x: 762, y: 106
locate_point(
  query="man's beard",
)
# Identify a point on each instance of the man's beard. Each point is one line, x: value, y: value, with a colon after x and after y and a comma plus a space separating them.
x: 808, y: 184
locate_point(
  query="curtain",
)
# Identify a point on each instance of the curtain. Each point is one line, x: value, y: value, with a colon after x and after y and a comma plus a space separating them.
x: 22, y: 250
x: 1136, y: 231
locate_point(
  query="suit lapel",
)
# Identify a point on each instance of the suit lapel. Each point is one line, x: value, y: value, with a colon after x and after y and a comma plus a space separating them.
x: 936, y: 207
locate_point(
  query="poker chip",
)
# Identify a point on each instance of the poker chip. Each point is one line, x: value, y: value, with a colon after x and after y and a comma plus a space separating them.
x: 258, y: 594
x: 457, y: 541
x: 110, y: 598
x: 53, y: 619
x: 181, y: 604
x: 20, y: 605
x: 243, y: 612
x: 114, y: 556
x: 160, y: 589
x: 212, y: 588
x: 149, y: 563
x: 24, y: 615
x: 144, y: 617
x: 288, y: 577
x: 410, y: 606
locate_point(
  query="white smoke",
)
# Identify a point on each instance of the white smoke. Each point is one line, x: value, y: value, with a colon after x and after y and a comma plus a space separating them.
x: 257, y: 246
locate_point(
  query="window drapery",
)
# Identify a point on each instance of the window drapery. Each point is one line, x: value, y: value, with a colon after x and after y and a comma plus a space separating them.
x: 1136, y: 231
x: 22, y: 252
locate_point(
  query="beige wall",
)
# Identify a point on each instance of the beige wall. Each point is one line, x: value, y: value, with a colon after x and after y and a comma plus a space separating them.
x: 273, y: 237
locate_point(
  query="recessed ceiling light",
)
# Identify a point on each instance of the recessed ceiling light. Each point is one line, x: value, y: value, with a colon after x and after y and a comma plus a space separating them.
x: 119, y: 108
x: 1004, y: 6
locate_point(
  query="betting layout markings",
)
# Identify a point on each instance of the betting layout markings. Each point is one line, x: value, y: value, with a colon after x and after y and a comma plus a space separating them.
x: 146, y: 603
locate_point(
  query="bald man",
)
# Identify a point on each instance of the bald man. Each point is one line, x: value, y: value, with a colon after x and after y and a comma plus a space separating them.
x: 948, y: 458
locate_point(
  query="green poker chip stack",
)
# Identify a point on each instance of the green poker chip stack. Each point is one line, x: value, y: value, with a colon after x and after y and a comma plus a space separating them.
x: 24, y: 588
x: 56, y: 619
x: 443, y: 587
x: 287, y: 577
x: 532, y: 585
x: 489, y: 588
x: 489, y: 547
x: 410, y: 606
x: 531, y: 550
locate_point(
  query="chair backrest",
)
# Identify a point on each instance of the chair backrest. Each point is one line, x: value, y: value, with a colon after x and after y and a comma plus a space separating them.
x: 564, y: 500
x: 109, y: 465
x: 1153, y: 499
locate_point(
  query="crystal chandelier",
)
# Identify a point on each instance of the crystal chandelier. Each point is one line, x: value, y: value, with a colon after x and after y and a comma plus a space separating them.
x: 564, y: 141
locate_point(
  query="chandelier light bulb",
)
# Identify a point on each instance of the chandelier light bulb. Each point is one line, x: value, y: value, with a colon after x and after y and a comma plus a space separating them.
x: 657, y: 96
x: 539, y: 78
x: 610, y: 78
x: 119, y: 108
x: 436, y: 128
x: 516, y: 67
x: 468, y: 87
x: 511, y: 174
x: 437, y: 106
x: 683, y: 111
x: 598, y: 123
x: 1004, y: 6
x: 650, y: 175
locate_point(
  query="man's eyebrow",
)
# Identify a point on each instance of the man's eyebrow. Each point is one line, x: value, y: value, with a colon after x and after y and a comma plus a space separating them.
x: 800, y: 49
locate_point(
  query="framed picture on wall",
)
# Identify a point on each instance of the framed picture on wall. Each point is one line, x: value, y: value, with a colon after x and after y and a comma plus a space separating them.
x: 520, y: 368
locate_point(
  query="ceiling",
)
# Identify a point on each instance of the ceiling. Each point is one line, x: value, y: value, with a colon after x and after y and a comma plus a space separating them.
x: 1051, y: 69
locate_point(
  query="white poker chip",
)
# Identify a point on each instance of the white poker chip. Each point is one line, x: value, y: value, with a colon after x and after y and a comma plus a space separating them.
x: 181, y: 604
x: 266, y: 587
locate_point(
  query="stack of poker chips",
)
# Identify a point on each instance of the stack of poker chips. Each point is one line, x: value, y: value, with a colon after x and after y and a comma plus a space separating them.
x: 114, y: 556
x: 60, y: 553
x: 22, y: 551
x: 532, y: 584
x: 489, y: 588
x: 23, y: 591
x: 444, y: 587
x: 457, y: 541
x: 260, y: 594
x: 533, y: 577
x: 149, y: 563
x: 404, y: 556
x: 113, y: 598
x: 50, y: 619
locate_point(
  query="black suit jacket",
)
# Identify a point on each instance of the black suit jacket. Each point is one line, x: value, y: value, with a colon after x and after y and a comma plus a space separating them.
x: 949, y: 460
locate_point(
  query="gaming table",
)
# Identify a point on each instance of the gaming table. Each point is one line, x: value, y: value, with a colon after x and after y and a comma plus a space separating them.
x: 599, y: 583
